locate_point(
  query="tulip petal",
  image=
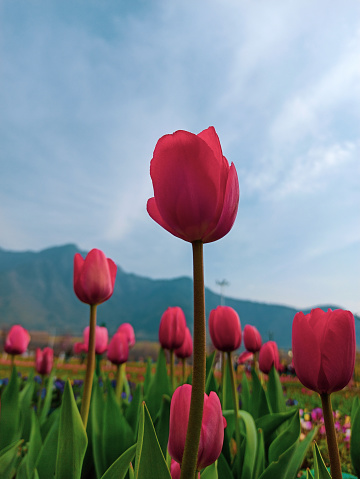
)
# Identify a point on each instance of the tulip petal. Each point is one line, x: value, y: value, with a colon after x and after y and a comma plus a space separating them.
x: 179, y: 419
x: 154, y: 213
x: 212, y: 431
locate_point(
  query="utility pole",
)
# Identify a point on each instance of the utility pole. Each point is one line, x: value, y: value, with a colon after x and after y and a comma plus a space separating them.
x: 223, y: 283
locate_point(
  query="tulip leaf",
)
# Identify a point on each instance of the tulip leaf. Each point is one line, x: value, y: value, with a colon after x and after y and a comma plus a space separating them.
x: 117, y: 435
x: 148, y: 376
x: 132, y: 412
x: 270, y: 422
x: 250, y: 444
x: 245, y: 393
x: 163, y: 423
x: 210, y: 472
x: 149, y: 461
x: 309, y: 475
x: 95, y: 428
x: 120, y: 467
x: 355, y: 436
x: 72, y: 438
x: 35, y: 444
x: 211, y: 384
x: 228, y: 403
x: 288, y: 437
x: 259, y: 403
x: 260, y: 456
x: 159, y: 385
x: 8, y: 457
x: 224, y: 470
x: 46, y: 461
x: 320, y: 470
x: 10, y: 412
x: 275, y: 392
x: 43, y: 413
x: 25, y: 401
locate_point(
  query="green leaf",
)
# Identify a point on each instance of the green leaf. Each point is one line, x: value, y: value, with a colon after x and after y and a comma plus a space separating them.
x: 270, y: 422
x: 10, y: 412
x: 159, y: 386
x: 8, y: 457
x: 163, y: 423
x: 210, y: 472
x: 250, y: 445
x: 245, y: 394
x: 35, y: 443
x: 72, y: 438
x: 308, y: 474
x: 285, y: 439
x: 148, y: 376
x: 320, y: 470
x: 355, y: 436
x: 25, y: 401
x: 228, y: 403
x: 224, y: 471
x: 22, y: 470
x: 46, y: 462
x: 132, y: 413
x: 259, y: 403
x: 260, y: 456
x: 120, y: 467
x: 95, y: 428
x: 117, y: 435
x: 149, y: 461
x: 275, y: 392
x: 43, y: 413
x: 211, y: 384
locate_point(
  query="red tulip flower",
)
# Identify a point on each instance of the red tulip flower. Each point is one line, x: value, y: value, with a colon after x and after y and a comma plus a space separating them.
x: 196, y: 192
x: 225, y: 328
x: 324, y: 346
x: 44, y: 360
x: 101, y: 338
x: 172, y: 328
x: 17, y: 340
x: 129, y: 331
x: 212, y: 429
x: 80, y: 348
x: 245, y: 356
x: 252, y: 338
x: 94, y: 277
x: 118, y: 350
x: 269, y: 355
x: 186, y: 349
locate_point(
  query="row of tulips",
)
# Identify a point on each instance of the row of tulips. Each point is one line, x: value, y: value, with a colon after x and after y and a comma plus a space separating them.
x: 196, y: 195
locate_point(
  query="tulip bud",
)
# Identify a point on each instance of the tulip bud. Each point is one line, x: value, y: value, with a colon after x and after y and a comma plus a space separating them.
x: 269, y: 355
x: 101, y: 338
x: 186, y: 349
x: 129, y: 331
x: 44, y: 360
x: 17, y: 340
x: 245, y: 356
x: 225, y: 328
x: 80, y: 348
x: 172, y: 328
x: 196, y: 192
x: 324, y: 346
x: 94, y: 277
x: 118, y: 350
x: 212, y: 429
x: 252, y: 338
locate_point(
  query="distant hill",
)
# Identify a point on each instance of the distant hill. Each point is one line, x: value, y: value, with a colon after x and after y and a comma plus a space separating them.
x: 36, y: 291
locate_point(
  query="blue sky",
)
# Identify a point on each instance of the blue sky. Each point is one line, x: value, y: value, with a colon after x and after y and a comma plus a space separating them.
x: 88, y: 87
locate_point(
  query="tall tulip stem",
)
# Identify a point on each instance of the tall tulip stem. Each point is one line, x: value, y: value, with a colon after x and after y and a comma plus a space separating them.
x: 235, y: 400
x: 120, y: 370
x: 172, y: 367
x: 333, y: 448
x: 188, y: 466
x: 90, y: 368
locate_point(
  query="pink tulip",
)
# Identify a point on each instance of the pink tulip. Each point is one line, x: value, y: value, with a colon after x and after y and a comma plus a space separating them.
x: 252, y: 338
x: 94, y: 277
x: 245, y: 356
x: 17, y: 340
x: 44, y: 360
x: 80, y: 348
x: 225, y: 328
x: 196, y: 192
x: 172, y: 328
x: 129, y: 331
x: 118, y: 350
x: 186, y: 349
x: 324, y: 345
x: 101, y: 338
x: 212, y: 429
x: 269, y: 355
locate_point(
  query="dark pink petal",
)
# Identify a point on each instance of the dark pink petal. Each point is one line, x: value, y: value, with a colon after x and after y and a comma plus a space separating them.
x: 153, y: 211
x: 179, y: 419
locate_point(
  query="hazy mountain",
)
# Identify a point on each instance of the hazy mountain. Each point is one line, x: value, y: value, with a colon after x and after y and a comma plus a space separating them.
x: 36, y: 291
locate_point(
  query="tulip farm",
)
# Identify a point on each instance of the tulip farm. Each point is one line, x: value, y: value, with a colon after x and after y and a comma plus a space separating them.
x: 199, y: 410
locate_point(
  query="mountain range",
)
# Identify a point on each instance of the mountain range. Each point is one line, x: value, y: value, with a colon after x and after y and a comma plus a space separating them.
x: 36, y: 291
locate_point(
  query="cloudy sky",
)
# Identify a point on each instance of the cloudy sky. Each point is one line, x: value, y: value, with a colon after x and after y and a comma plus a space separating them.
x: 88, y: 87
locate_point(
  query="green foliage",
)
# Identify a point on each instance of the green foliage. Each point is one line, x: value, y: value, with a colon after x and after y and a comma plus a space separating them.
x: 159, y: 386
x: 355, y: 436
x: 10, y: 412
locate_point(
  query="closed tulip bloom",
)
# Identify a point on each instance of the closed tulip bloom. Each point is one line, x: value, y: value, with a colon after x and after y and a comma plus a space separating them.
x: 17, y: 340
x: 80, y: 348
x: 324, y: 347
x: 186, y: 349
x: 129, y: 331
x: 196, y: 192
x: 172, y: 328
x: 101, y: 338
x: 225, y: 328
x: 118, y: 350
x: 94, y: 277
x: 269, y: 355
x: 252, y: 338
x: 44, y: 360
x: 244, y: 357
x: 212, y: 429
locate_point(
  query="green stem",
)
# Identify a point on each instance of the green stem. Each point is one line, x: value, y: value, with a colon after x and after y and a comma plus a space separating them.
x: 172, y: 365
x: 119, y: 381
x: 235, y: 401
x: 333, y: 449
x: 183, y: 360
x: 39, y: 396
x: 12, y: 362
x: 90, y: 367
x: 189, y: 462
x: 223, y: 380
